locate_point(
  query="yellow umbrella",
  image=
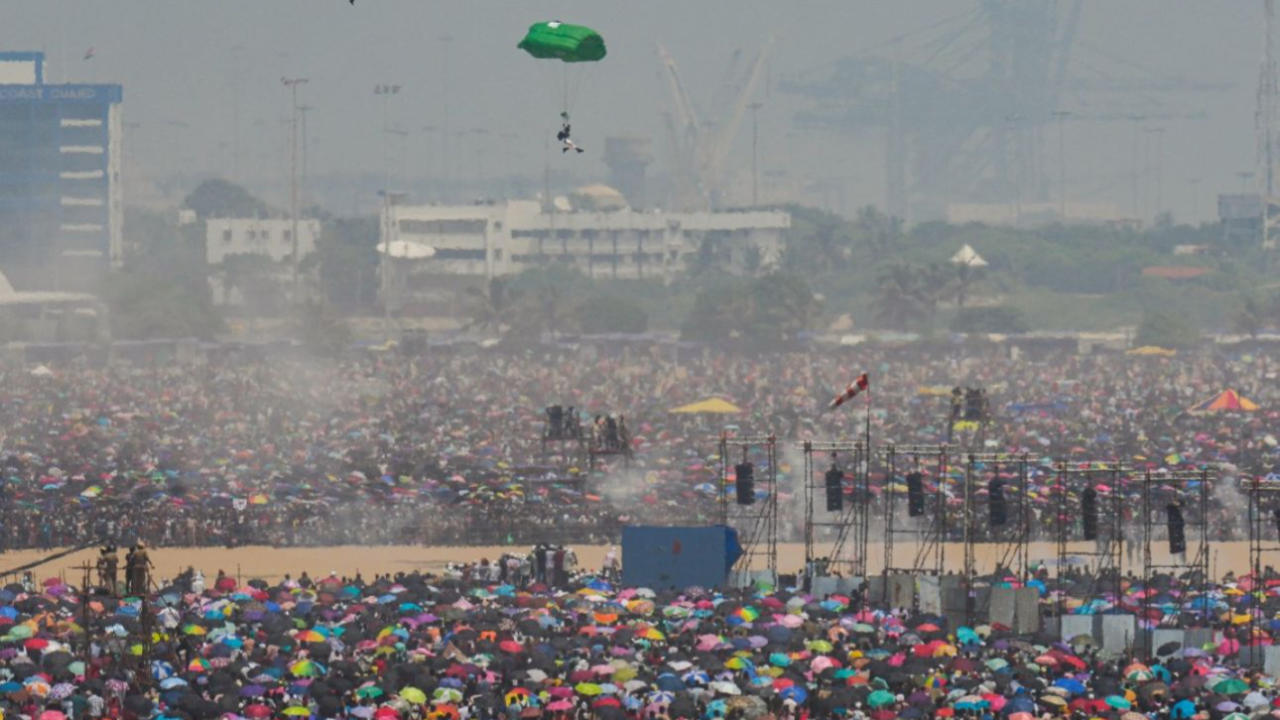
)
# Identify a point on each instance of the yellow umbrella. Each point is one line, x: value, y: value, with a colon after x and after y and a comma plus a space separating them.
x: 1152, y: 350
x: 413, y: 695
x: 710, y: 406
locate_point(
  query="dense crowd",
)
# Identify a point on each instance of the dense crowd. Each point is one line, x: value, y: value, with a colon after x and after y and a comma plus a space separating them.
x: 515, y: 640
x: 447, y: 447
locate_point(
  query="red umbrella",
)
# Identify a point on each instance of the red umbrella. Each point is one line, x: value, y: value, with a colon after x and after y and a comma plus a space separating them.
x: 511, y: 646
x: 606, y: 701
x: 257, y: 710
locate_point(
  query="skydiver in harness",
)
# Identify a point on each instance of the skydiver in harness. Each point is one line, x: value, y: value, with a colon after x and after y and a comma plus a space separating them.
x: 563, y: 135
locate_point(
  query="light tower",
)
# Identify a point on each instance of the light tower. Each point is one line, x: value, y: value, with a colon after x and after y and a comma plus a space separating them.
x: 292, y: 84
x: 1266, y: 123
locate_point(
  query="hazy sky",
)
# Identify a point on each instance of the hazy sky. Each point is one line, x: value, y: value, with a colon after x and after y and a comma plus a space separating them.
x: 182, y: 63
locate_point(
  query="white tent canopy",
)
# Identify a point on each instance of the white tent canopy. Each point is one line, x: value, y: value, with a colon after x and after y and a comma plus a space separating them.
x: 968, y: 257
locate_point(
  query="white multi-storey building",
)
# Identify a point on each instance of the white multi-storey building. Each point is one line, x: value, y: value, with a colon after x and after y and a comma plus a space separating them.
x: 253, y: 236
x: 270, y: 238
x: 490, y: 240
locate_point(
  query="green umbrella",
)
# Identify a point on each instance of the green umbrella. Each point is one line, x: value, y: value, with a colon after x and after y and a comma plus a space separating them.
x: 1231, y: 686
x: 880, y: 698
x: 1118, y: 702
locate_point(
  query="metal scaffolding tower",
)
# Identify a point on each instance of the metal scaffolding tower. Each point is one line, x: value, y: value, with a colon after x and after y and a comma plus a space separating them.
x: 926, y: 532
x: 756, y: 523
x: 1011, y: 537
x: 1105, y: 560
x: 847, y: 528
x: 1264, y: 537
x: 1189, y: 491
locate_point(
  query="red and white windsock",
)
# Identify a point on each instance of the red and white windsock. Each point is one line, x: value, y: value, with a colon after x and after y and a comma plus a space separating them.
x: 855, y: 387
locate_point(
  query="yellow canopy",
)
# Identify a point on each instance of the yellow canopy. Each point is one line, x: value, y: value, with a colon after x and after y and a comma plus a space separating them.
x: 710, y: 406
x: 1152, y: 350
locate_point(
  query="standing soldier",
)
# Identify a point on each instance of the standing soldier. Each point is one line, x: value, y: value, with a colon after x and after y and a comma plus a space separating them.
x: 108, y: 564
x: 141, y: 569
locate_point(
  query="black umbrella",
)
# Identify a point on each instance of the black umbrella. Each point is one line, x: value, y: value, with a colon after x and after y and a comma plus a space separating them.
x: 139, y: 704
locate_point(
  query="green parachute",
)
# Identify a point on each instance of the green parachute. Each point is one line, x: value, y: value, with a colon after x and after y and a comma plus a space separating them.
x: 555, y: 40
x: 579, y: 48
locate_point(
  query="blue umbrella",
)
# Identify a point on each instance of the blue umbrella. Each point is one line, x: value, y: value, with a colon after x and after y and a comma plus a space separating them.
x: 1021, y: 703
x: 696, y: 677
x: 669, y: 682
x: 1071, y: 685
x: 794, y: 693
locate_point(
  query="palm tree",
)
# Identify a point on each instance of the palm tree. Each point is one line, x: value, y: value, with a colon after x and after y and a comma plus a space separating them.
x: 878, y: 230
x: 936, y: 283
x: 550, y: 308
x: 492, y: 307
x: 1249, y: 321
x: 965, y: 276
x: 899, y: 299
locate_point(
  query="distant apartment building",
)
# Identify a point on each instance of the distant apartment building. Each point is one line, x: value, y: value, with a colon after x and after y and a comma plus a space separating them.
x: 270, y: 238
x: 61, y: 212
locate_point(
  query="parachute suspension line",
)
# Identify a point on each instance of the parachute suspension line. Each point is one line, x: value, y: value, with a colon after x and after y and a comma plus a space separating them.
x: 564, y: 102
x: 582, y: 77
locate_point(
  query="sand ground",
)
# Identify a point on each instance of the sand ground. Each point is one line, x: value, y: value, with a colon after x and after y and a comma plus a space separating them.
x: 272, y: 564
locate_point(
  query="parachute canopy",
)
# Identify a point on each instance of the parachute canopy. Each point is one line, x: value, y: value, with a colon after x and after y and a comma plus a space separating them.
x: 556, y: 40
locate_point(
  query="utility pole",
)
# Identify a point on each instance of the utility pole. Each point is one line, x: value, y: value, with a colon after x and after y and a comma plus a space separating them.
x: 1133, y: 177
x: 292, y: 84
x: 755, y: 156
x: 1155, y: 166
x: 445, y: 41
x: 1061, y: 116
x: 506, y: 138
x: 1267, y: 97
x: 235, y: 113
x: 387, y: 91
x: 480, y: 133
x: 1012, y: 123
x: 895, y: 153
x: 402, y: 165
x: 302, y: 183
x: 1245, y: 176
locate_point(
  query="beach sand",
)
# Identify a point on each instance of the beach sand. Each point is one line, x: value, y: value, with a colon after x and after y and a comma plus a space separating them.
x: 271, y: 564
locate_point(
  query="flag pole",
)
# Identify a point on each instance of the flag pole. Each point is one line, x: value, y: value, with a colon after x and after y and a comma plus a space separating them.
x: 866, y: 481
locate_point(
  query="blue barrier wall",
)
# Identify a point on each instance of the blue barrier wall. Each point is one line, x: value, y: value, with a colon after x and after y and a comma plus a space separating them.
x: 663, y: 557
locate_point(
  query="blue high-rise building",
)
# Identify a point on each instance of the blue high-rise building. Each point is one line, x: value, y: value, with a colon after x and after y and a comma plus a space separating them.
x: 61, y: 211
